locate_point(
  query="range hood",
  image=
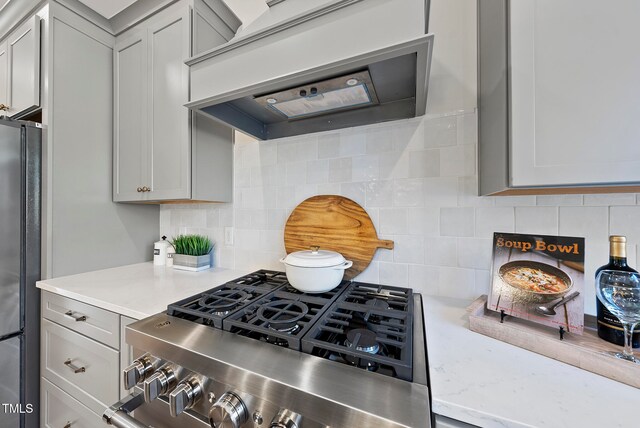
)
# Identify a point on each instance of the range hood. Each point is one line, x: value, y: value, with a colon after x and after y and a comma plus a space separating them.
x: 307, y: 66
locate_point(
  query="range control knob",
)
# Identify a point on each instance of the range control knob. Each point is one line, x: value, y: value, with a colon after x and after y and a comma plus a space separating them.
x: 159, y: 383
x: 228, y: 412
x: 286, y: 419
x: 184, y: 396
x: 138, y: 371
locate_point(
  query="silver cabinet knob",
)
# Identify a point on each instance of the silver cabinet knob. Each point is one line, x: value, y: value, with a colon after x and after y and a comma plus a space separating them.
x: 138, y: 371
x: 286, y: 419
x: 184, y: 396
x: 146, y: 189
x: 159, y: 384
x: 139, y: 189
x: 228, y: 412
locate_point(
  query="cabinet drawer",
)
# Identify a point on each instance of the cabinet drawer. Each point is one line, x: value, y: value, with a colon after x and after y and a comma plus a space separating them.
x: 59, y: 409
x: 101, y: 325
x: 80, y: 366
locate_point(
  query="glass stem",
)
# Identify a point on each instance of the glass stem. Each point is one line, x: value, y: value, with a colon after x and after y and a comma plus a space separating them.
x: 628, y: 337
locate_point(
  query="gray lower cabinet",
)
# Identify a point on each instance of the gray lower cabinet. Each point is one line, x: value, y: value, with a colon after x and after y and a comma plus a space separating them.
x: 154, y: 142
x: 59, y: 410
x: 81, y: 360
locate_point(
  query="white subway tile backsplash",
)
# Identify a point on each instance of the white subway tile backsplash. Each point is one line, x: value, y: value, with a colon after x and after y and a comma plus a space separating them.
x: 494, y: 219
x: 408, y: 249
x: 457, y: 282
x: 408, y: 192
x: 380, y: 139
x: 475, y: 253
x: 537, y: 220
x: 423, y: 221
x: 589, y: 222
x: 441, y: 251
x: 328, y: 146
x: 559, y: 200
x: 396, y: 274
x: 515, y: 201
x: 626, y: 221
x: 457, y: 221
x: 365, y: 168
x: 458, y: 161
x: 417, y: 180
x: 340, y: 170
x: 354, y: 191
x: 467, y: 129
x: 393, y: 221
x: 483, y: 282
x: 441, y: 191
x: 424, y: 163
x: 441, y: 131
x: 468, y: 194
x: 379, y: 194
x: 610, y: 199
x: 318, y: 171
x: 424, y: 279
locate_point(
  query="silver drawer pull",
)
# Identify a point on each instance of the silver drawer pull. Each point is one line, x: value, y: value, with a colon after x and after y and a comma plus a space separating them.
x: 75, y: 369
x: 67, y: 425
x: 76, y: 317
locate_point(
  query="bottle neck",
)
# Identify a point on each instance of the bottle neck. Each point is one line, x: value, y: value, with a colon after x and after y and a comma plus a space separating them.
x: 618, y: 261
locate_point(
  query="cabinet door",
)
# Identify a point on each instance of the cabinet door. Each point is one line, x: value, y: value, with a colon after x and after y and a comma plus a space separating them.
x: 574, y: 92
x: 59, y: 409
x: 169, y: 47
x: 131, y: 144
x: 4, y: 73
x: 24, y: 67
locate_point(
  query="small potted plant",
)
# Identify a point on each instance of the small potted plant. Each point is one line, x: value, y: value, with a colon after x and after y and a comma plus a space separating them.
x: 193, y: 252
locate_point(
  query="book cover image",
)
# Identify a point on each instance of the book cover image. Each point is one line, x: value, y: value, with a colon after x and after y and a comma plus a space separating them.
x: 539, y: 278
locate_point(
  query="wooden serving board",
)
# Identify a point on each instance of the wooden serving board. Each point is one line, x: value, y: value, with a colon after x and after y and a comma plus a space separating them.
x: 586, y: 351
x: 334, y: 223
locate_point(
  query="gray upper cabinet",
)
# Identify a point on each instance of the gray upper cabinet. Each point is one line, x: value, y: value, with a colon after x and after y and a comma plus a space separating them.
x: 558, y: 101
x: 154, y: 131
x: 23, y: 72
x: 4, y: 74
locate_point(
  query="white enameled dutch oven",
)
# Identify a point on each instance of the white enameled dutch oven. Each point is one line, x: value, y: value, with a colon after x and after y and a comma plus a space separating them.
x: 315, y: 270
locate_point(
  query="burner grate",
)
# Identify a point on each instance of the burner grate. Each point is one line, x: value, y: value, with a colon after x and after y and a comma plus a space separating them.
x: 345, y: 332
x: 283, y: 317
x: 212, y: 306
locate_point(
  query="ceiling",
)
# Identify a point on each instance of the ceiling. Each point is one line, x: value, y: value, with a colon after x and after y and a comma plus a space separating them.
x: 107, y: 8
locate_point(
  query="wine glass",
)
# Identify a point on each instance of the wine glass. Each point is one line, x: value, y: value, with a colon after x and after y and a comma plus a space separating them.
x: 620, y: 293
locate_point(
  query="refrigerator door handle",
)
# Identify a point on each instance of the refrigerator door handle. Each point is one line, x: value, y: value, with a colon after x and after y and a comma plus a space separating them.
x: 75, y: 317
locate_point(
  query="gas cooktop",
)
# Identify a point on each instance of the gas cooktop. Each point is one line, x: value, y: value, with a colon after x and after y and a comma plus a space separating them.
x: 255, y: 350
x: 363, y: 325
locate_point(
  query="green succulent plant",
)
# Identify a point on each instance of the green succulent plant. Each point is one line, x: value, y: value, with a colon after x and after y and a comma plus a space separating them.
x: 192, y: 245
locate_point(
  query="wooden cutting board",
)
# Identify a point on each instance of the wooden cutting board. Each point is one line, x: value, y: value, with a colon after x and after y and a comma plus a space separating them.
x: 334, y: 223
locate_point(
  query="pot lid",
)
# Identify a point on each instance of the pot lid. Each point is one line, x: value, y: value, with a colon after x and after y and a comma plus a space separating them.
x: 314, y: 258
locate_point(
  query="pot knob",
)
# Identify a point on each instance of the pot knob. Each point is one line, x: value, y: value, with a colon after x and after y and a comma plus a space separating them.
x: 159, y: 383
x: 138, y: 371
x: 228, y: 412
x: 285, y: 419
x: 184, y: 396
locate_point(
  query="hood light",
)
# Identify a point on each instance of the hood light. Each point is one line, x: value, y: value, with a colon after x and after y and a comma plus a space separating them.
x: 352, y: 82
x: 272, y: 100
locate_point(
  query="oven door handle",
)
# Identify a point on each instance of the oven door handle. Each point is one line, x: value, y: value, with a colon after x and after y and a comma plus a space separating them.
x: 118, y: 414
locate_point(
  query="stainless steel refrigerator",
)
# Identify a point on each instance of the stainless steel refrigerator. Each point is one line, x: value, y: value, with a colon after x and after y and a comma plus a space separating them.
x: 20, y: 200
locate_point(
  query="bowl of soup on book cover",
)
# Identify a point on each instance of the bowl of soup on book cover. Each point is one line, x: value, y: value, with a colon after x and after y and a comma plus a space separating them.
x: 536, y: 282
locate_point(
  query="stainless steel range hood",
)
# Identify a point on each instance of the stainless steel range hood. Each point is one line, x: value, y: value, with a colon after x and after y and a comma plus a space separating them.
x: 313, y: 65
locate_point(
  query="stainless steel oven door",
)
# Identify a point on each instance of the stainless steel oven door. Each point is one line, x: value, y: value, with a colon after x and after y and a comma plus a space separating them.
x: 133, y: 412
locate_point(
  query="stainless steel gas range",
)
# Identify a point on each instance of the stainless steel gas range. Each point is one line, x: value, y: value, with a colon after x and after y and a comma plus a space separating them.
x: 257, y: 353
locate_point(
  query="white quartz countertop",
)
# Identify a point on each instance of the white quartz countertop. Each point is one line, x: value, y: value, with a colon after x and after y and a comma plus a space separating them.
x: 137, y: 291
x: 474, y: 378
x: 489, y: 383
